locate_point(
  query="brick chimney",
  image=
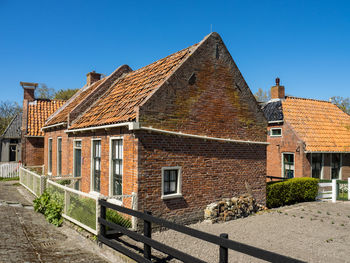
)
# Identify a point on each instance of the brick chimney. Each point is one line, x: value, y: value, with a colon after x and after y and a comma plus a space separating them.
x: 92, y: 77
x: 277, y: 92
x: 29, y: 89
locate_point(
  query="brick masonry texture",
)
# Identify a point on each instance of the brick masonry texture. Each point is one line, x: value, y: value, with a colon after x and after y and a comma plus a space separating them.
x: 210, y: 171
x: 129, y: 162
x: 206, y: 95
x: 289, y: 142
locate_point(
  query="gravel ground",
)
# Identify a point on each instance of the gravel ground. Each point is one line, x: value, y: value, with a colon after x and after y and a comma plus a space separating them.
x: 312, y: 232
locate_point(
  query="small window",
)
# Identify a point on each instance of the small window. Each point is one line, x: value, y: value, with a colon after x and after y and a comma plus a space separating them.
x: 171, y: 182
x: 59, y: 156
x: 96, y: 165
x: 276, y: 132
x: 288, y: 165
x: 49, y: 163
x: 117, y: 167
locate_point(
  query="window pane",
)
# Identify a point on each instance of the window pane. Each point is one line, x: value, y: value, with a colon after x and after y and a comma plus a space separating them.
x: 173, y: 175
x: 166, y: 176
x: 117, y: 166
x: 166, y: 188
x: 173, y: 187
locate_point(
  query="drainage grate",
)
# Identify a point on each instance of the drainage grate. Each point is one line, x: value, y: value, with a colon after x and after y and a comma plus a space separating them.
x: 48, y: 244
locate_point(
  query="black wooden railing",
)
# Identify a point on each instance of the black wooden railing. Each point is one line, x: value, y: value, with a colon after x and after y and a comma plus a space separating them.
x: 222, y: 241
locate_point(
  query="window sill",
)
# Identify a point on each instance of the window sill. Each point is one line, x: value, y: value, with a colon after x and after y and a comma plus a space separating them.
x: 275, y: 135
x: 171, y: 196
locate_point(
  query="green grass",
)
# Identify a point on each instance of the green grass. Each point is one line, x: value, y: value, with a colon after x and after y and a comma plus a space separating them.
x: 9, y: 179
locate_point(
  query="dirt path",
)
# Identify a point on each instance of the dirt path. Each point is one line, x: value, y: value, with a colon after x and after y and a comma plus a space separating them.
x: 313, y: 232
x: 27, y: 237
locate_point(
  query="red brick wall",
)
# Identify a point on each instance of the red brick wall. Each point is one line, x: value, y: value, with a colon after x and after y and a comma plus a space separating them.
x: 207, y: 95
x: 211, y: 170
x: 34, y: 151
x: 129, y: 162
x: 287, y: 143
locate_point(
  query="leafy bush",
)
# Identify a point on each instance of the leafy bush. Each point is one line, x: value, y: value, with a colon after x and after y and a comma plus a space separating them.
x: 293, y: 191
x: 63, y: 181
x: 50, y: 203
x: 117, y: 218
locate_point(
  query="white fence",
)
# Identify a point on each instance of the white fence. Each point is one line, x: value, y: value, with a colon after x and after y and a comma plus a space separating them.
x: 33, y: 182
x: 9, y: 170
x: 79, y: 208
x: 330, y: 190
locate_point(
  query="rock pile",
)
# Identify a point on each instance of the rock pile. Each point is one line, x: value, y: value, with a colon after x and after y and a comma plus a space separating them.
x: 232, y: 208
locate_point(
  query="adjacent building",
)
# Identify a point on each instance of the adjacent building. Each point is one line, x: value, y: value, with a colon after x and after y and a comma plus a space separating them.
x: 35, y: 113
x: 308, y: 138
x: 10, y: 141
x: 181, y: 132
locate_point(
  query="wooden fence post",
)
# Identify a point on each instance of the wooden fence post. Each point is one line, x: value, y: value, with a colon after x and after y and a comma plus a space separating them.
x: 223, y: 257
x: 103, y: 216
x: 147, y: 231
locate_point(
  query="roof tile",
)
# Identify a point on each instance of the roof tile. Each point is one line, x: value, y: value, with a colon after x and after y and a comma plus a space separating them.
x: 119, y: 102
x: 320, y: 124
x: 38, y: 112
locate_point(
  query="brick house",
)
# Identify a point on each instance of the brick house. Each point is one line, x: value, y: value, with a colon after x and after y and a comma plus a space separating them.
x: 35, y: 112
x: 181, y: 132
x: 308, y: 138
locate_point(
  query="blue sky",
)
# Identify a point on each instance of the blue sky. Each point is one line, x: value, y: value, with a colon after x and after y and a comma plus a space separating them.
x: 305, y: 43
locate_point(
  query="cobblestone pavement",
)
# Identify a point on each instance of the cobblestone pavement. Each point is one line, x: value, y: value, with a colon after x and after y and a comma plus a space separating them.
x: 25, y: 236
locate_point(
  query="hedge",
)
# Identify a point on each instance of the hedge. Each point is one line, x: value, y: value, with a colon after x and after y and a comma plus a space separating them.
x: 292, y: 191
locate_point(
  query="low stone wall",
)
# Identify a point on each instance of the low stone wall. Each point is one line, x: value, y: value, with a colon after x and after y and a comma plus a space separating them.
x: 232, y: 208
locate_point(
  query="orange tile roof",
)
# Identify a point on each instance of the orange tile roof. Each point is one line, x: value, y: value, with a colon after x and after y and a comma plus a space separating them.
x: 119, y: 102
x: 38, y: 112
x: 320, y: 124
x: 62, y: 114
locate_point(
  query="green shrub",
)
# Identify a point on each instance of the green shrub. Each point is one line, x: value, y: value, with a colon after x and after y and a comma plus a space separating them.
x: 63, y: 181
x: 292, y: 191
x: 50, y: 203
x: 117, y: 218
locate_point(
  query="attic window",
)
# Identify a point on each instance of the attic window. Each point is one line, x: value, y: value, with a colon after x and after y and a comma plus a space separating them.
x: 192, y: 79
x: 274, y: 132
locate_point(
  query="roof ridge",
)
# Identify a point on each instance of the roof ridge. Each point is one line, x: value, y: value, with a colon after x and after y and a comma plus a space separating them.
x: 299, y: 98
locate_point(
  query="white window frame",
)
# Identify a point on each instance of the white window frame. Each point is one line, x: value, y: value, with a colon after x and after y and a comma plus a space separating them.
x: 282, y: 163
x: 49, y: 162
x: 110, y: 190
x: 271, y: 135
x: 58, y: 138
x: 92, y: 181
x: 74, y: 147
x: 179, y: 183
x: 340, y: 164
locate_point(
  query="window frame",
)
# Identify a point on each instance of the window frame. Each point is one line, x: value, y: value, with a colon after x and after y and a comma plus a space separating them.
x: 111, y: 139
x: 81, y: 159
x: 57, y: 161
x: 272, y: 129
x: 179, y: 183
x: 92, y: 166
x: 49, y: 156
x: 282, y: 163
